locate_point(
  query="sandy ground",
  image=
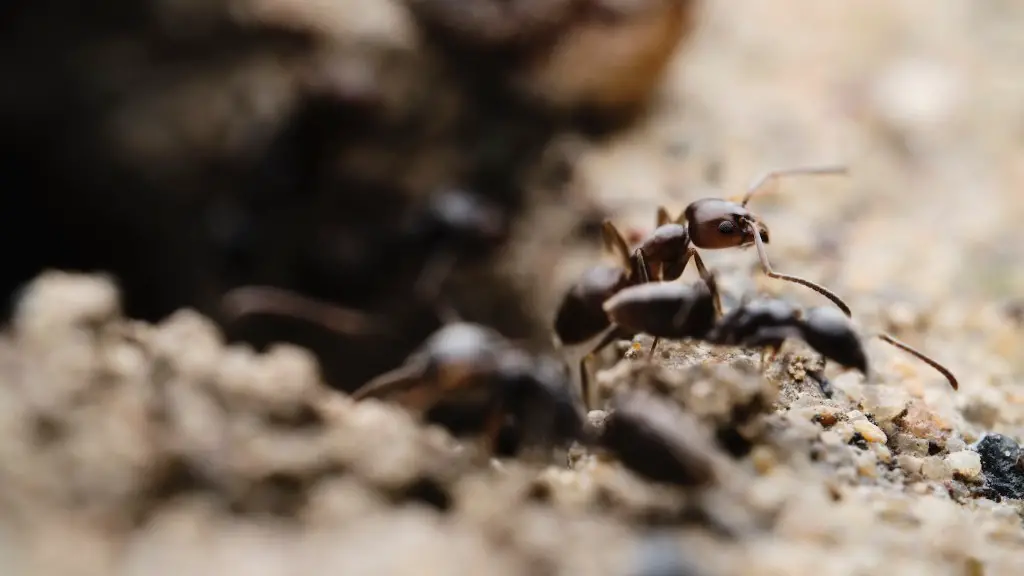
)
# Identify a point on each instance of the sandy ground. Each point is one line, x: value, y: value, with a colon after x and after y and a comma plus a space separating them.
x: 134, y: 449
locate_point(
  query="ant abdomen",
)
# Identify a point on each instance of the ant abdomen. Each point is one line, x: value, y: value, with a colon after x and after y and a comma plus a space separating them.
x: 831, y: 333
x: 664, y: 309
x: 580, y: 316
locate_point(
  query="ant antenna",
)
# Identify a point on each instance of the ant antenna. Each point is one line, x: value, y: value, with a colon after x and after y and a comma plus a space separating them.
x: 922, y: 357
x: 248, y: 300
x: 762, y: 254
x: 769, y: 180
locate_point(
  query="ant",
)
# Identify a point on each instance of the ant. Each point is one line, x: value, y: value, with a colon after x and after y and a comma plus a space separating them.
x: 679, y: 311
x: 470, y: 379
x: 465, y: 377
x: 654, y: 438
x: 452, y: 224
x: 707, y: 223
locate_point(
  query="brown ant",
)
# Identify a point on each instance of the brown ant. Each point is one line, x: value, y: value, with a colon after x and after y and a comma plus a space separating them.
x: 717, y: 224
x: 708, y: 223
x: 679, y: 311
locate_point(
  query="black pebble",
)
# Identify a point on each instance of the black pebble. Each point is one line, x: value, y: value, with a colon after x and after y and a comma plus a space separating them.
x: 1000, y: 457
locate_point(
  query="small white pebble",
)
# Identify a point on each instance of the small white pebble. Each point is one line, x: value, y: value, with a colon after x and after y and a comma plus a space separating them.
x: 844, y: 430
x: 870, y: 432
x: 935, y: 468
x: 955, y: 444
x: 882, y: 452
x: 831, y: 438
x: 910, y: 464
x: 867, y: 464
x: 965, y: 463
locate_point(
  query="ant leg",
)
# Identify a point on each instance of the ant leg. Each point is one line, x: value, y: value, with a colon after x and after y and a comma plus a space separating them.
x: 770, y: 179
x: 762, y: 253
x: 643, y: 269
x: 824, y: 384
x: 644, y: 272
x: 922, y: 357
x: 708, y: 279
x: 488, y: 443
x: 247, y: 300
x: 615, y: 243
x: 663, y: 217
x: 398, y: 379
x: 438, y: 267
x: 585, y: 391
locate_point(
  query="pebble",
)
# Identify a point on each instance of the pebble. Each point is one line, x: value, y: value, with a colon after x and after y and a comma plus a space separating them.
x: 886, y: 403
x: 955, y: 444
x: 870, y: 432
x: 882, y: 452
x: 831, y: 438
x: 867, y: 464
x: 910, y: 464
x: 907, y: 444
x: 965, y: 463
x: 763, y: 459
x: 935, y: 468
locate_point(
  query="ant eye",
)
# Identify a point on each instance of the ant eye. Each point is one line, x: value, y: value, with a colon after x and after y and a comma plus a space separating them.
x: 727, y: 227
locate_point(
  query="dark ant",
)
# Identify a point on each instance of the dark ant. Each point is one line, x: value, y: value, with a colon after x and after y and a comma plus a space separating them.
x: 455, y: 224
x: 679, y: 311
x: 580, y: 316
x: 470, y: 379
x: 654, y: 438
x: 452, y: 224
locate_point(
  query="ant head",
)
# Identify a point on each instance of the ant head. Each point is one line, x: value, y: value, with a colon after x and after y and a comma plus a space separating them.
x: 714, y: 223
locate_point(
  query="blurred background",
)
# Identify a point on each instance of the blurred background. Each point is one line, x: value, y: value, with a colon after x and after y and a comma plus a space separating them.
x: 186, y: 148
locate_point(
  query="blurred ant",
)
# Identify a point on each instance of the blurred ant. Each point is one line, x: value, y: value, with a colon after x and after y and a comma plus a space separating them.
x: 452, y: 224
x: 465, y: 377
x: 471, y: 380
x: 679, y: 311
